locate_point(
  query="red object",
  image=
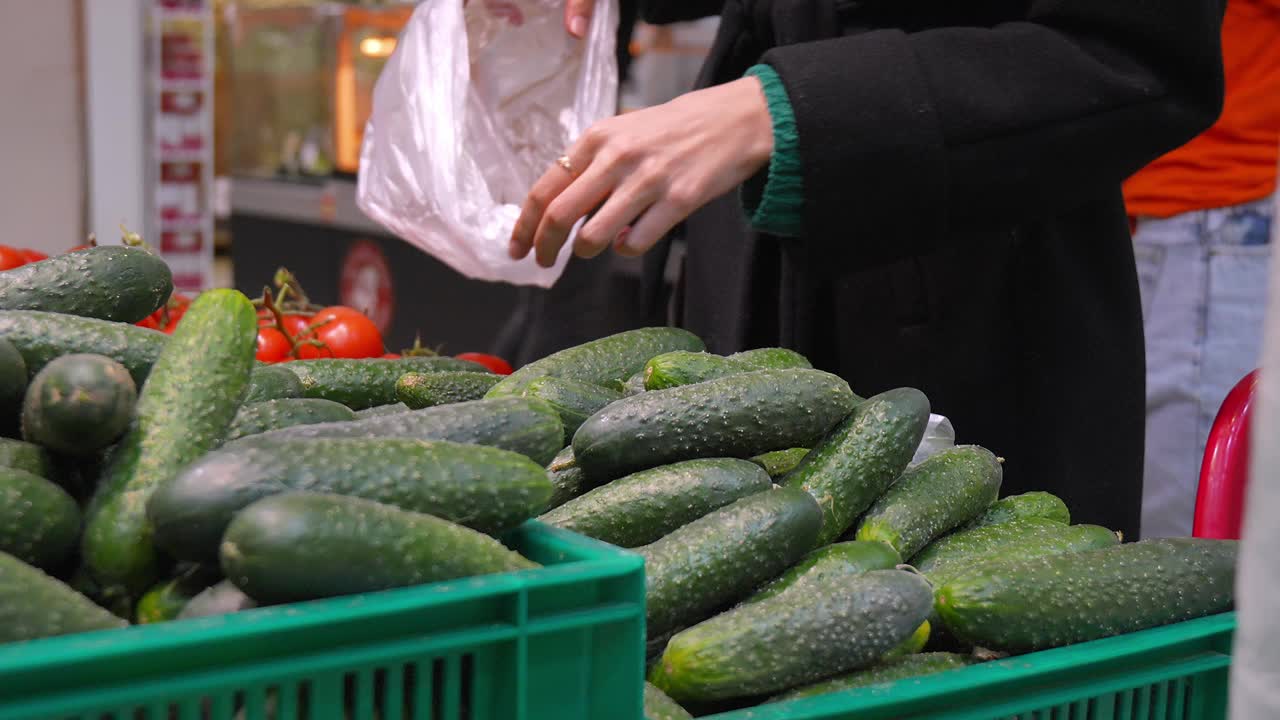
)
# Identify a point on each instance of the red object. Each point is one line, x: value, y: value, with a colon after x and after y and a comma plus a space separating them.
x: 272, y: 345
x: 391, y: 356
x: 11, y: 258
x: 344, y: 333
x: 1224, y: 474
x: 365, y: 283
x: 78, y: 248
x: 33, y: 255
x: 493, y: 362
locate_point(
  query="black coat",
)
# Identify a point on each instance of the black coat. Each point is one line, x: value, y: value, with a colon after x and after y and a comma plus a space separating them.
x: 965, y: 232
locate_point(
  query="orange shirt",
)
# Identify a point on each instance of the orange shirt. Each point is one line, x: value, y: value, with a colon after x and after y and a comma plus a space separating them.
x: 1235, y: 160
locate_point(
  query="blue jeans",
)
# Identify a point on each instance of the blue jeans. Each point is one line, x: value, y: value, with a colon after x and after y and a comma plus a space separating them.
x: 1203, y: 277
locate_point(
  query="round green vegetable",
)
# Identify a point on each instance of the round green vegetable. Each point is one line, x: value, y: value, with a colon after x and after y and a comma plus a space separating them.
x: 79, y: 404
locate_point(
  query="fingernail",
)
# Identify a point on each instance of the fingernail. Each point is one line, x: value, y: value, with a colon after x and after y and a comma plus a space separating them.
x: 578, y: 26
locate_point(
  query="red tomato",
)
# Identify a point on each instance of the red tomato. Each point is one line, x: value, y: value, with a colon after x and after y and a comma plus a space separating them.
x: 391, y: 356
x: 344, y: 333
x: 33, y: 255
x: 151, y: 321
x: 77, y: 249
x: 493, y: 362
x: 272, y: 345
x: 295, y: 325
x: 11, y: 258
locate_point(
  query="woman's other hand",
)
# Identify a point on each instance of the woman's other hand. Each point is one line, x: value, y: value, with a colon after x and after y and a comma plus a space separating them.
x: 577, y: 16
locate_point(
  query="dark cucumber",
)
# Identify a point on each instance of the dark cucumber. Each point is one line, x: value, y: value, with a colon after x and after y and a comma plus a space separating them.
x: 220, y: 599
x: 819, y: 627
x: 657, y: 706
x: 43, y: 336
x: 420, y: 390
x: 574, y: 400
x: 899, y: 669
x: 685, y: 368
x: 483, y: 488
x: 255, y: 418
x: 367, y: 383
x: 79, y: 404
x: 640, y: 508
x: 719, y: 558
x: 111, y: 282
x: 1036, y: 603
x: 736, y: 416
x: 392, y: 409
x: 301, y: 546
x: 13, y: 385
x: 39, y: 521
x: 772, y: 358
x: 34, y: 605
x: 183, y: 412
x: 566, y: 477
x: 780, y: 462
x: 25, y: 456
x: 1027, y: 505
x: 1029, y: 537
x: 861, y: 457
x: 601, y: 362
x: 848, y: 559
x: 930, y: 499
x: 272, y: 382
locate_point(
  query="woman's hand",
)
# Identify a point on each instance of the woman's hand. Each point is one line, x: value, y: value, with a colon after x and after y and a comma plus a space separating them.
x: 577, y: 16
x: 646, y: 171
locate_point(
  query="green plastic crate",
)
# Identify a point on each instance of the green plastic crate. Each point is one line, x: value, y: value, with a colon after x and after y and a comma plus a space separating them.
x: 1177, y: 672
x: 562, y: 642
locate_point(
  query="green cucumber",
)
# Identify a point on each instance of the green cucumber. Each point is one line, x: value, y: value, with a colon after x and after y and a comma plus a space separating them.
x: 43, y: 336
x: 78, y: 404
x: 268, y: 415
x: 220, y: 599
x: 566, y: 479
x: 111, y: 282
x: 301, y: 546
x: 600, y: 362
x: 640, y: 508
x: 772, y: 358
x: 1042, y: 602
x: 657, y: 706
x: 25, y: 456
x: 183, y: 412
x: 369, y: 382
x: 1027, y: 505
x: 380, y: 410
x: 849, y: 559
x: 524, y: 425
x: 678, y: 368
x: 932, y: 498
x: 420, y: 390
x: 899, y: 669
x: 35, y: 605
x: 13, y: 385
x: 819, y: 627
x: 1028, y: 537
x: 39, y: 521
x: 721, y: 557
x: 736, y: 416
x: 574, y: 400
x: 914, y: 643
x: 780, y: 462
x: 861, y: 457
x: 483, y: 488
x: 272, y: 382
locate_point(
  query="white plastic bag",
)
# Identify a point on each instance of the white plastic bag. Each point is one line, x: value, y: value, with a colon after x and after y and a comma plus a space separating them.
x: 938, y: 436
x: 475, y: 105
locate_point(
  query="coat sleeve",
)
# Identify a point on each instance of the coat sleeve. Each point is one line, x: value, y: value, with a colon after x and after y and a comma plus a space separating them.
x: 906, y: 136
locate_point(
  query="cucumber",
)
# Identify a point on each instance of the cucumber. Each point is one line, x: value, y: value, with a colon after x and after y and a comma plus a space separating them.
x: 220, y: 599
x: 523, y: 425
x: 566, y: 478
x: 899, y: 669
x: 772, y: 358
x: 301, y: 546
x: 419, y: 390
x: 1029, y: 537
x: 914, y: 643
x: 380, y: 410
x: 42, y: 336
x: 268, y: 415
x: 34, y: 605
x: 780, y: 462
x: 79, y: 404
x: 936, y: 496
x: 166, y: 601
x: 483, y: 488
x: 678, y: 368
x: 111, y: 282
x: 657, y: 706
x: 1027, y: 505
x: 369, y: 382
x: 821, y: 626
x: 721, y: 557
x: 13, y: 385
x: 1042, y: 602
x: 574, y: 400
x: 25, y: 456
x: 849, y: 559
x: 600, y: 362
x: 272, y: 382
x: 640, y: 508
x: 39, y: 521
x: 184, y: 411
x: 861, y: 457
x: 736, y: 416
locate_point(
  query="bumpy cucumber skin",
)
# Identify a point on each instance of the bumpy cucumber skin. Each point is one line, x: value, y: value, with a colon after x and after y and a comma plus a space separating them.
x: 736, y: 416
x: 183, y: 412
x: 79, y: 404
x: 368, y: 382
x: 780, y: 462
x: 600, y: 362
x: 380, y: 410
x: 111, y: 282
x: 39, y: 521
x: 567, y: 479
x: 574, y: 400
x: 483, y: 488
x: 13, y: 384
x: 34, y: 605
x: 902, y: 668
x: 722, y: 556
x: 1035, y: 504
x: 657, y: 706
x: 524, y: 425
x: 1030, y: 537
x: 1043, y: 602
x: 271, y: 382
x: 420, y: 390
x: 268, y: 415
x: 301, y: 546
x: 848, y: 559
x: 25, y: 456
x: 772, y: 358
x: 861, y: 457
x: 640, y: 508
x: 816, y: 628
x: 678, y: 368
x: 43, y: 336
x: 220, y: 599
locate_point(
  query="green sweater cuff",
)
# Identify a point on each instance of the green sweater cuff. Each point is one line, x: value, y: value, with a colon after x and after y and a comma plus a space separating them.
x: 774, y: 199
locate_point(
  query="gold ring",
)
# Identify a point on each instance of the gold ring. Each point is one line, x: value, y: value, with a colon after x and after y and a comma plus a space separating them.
x: 563, y: 161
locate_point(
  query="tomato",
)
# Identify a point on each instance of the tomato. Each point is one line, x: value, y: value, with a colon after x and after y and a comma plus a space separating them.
x: 151, y: 321
x: 295, y: 325
x: 344, y: 333
x: 493, y: 362
x: 391, y: 356
x: 272, y: 345
x: 77, y: 248
x: 11, y: 258
x: 33, y: 255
